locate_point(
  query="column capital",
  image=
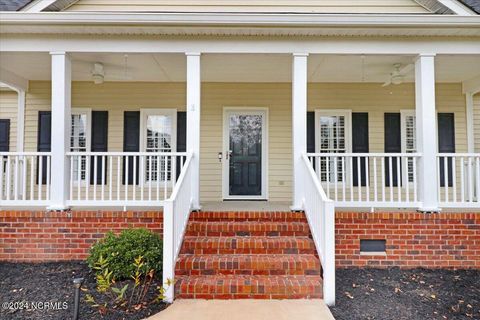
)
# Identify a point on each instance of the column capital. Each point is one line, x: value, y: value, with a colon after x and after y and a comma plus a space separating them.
x: 58, y: 53
x: 193, y: 54
x: 425, y: 55
x: 300, y: 54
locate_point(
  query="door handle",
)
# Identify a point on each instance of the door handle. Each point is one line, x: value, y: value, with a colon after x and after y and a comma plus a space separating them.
x: 228, y: 154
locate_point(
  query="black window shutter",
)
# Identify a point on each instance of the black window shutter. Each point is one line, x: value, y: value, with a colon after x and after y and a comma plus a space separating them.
x: 310, y: 132
x: 393, y: 144
x: 359, y: 145
x: 4, y: 135
x: 131, y: 142
x: 181, y: 136
x: 446, y: 144
x: 44, y: 140
x: 99, y: 144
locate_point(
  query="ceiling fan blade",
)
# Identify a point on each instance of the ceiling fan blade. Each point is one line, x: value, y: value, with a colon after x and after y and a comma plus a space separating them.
x: 406, y: 69
x: 110, y: 76
x: 387, y: 83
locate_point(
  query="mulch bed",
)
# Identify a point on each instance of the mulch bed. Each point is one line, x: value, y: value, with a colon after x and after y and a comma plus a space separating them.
x: 52, y: 282
x: 407, y: 294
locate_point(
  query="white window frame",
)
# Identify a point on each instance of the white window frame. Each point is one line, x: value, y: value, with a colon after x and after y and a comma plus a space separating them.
x: 88, y: 137
x: 144, y: 113
x: 347, y: 113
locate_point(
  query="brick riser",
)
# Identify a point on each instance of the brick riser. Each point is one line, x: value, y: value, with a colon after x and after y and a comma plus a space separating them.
x: 248, y: 255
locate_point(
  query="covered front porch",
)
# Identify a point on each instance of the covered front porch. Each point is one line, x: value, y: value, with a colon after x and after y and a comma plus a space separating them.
x: 132, y: 131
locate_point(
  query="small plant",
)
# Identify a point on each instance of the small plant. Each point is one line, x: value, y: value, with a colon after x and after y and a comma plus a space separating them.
x: 124, y: 295
x: 122, y: 250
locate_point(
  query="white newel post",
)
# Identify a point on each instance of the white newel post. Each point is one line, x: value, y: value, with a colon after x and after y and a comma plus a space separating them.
x: 426, y: 131
x: 193, y: 123
x: 61, y: 118
x: 299, y: 124
x: 168, y: 272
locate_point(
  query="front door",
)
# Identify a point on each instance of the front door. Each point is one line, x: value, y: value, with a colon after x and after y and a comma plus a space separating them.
x: 244, y: 154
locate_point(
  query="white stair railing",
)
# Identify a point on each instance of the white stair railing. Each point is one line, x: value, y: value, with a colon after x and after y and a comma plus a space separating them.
x: 176, y: 212
x: 458, y: 180
x: 25, y: 178
x: 320, y: 213
x: 369, y: 179
x: 123, y: 178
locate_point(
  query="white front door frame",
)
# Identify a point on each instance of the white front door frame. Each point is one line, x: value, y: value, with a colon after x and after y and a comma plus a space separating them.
x: 226, y: 147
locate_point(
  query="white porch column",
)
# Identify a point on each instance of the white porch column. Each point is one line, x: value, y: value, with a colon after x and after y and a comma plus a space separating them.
x: 193, y: 122
x: 61, y: 118
x: 299, y: 123
x: 469, y: 121
x: 426, y: 131
x: 20, y: 120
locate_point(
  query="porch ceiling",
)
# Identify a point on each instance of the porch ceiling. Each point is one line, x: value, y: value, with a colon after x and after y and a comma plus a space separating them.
x: 238, y: 67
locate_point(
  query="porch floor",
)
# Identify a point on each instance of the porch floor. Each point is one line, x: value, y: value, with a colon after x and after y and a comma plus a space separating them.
x: 266, y: 206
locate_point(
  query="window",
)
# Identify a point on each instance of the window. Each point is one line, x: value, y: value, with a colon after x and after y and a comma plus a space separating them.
x: 158, y: 135
x: 332, y: 129
x: 409, y: 139
x: 80, y: 141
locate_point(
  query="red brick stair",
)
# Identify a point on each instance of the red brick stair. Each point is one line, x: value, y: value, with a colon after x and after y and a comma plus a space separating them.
x: 248, y: 255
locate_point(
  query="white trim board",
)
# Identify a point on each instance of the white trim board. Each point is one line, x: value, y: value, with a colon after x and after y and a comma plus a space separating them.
x: 226, y: 146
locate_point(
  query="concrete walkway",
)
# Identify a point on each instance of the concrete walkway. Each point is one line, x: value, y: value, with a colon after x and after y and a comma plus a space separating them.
x: 245, y: 310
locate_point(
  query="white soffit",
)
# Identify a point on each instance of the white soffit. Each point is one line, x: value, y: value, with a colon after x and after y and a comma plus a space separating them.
x: 241, y: 67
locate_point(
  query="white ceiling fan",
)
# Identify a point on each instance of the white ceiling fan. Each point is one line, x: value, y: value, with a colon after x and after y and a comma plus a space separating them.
x: 101, y: 72
x: 397, y: 76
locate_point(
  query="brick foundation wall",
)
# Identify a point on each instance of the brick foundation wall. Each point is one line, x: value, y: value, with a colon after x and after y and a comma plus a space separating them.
x: 445, y: 240
x: 54, y: 236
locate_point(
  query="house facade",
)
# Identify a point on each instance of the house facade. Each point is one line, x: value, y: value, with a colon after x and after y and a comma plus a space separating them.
x: 363, y: 115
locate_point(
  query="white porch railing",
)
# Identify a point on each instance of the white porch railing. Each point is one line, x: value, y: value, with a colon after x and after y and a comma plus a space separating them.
x: 320, y: 213
x: 368, y: 179
x: 122, y: 178
x: 175, y: 218
x: 458, y: 179
x: 25, y: 178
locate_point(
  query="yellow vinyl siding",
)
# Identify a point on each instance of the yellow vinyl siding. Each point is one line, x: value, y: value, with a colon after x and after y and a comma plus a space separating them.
x: 119, y: 97
x: 8, y: 110
x: 307, y: 6
x: 476, y: 121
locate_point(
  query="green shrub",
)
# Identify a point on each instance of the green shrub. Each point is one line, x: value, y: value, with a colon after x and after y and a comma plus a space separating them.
x: 120, y: 252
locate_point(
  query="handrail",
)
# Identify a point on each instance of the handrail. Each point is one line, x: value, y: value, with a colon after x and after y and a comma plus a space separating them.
x: 378, y: 154
x: 316, y: 182
x: 176, y: 213
x: 179, y: 183
x: 126, y: 153
x: 368, y: 179
x: 320, y: 213
x: 6, y: 154
x: 458, y: 180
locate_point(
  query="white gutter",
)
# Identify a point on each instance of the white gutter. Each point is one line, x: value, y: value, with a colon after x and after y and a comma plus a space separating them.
x: 237, y: 19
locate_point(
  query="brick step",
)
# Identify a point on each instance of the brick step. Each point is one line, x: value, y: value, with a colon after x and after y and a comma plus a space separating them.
x: 247, y: 245
x: 248, y: 287
x: 286, y: 216
x: 288, y: 264
x: 247, y: 228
